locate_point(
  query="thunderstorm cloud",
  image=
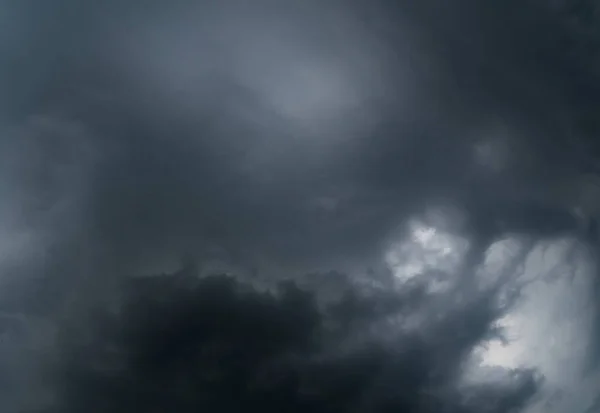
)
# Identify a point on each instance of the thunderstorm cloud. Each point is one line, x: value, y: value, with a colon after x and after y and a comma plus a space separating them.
x: 330, y: 206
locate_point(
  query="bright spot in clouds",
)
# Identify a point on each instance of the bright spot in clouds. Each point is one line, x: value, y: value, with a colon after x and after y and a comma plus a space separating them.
x: 508, y: 351
x: 322, y: 82
x: 311, y: 91
x: 547, y: 328
x: 425, y: 248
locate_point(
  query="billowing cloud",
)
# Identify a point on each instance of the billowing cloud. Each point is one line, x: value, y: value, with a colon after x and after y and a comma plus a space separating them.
x: 427, y: 144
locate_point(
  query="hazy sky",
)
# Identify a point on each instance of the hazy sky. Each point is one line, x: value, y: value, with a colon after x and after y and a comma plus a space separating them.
x: 292, y: 136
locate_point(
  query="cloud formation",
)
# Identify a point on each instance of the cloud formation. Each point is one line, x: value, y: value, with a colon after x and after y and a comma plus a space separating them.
x: 179, y: 343
x: 435, y: 143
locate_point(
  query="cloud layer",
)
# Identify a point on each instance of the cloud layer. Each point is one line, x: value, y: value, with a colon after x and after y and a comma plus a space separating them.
x: 440, y: 144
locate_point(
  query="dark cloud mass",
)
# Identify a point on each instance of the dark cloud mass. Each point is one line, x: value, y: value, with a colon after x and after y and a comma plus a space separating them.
x: 380, y: 206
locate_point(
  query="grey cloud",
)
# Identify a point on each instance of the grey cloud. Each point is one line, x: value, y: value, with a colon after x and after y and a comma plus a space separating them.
x: 291, y: 135
x: 277, y: 351
x: 201, y: 144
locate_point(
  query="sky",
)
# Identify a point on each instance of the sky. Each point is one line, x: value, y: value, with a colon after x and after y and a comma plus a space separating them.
x: 447, y: 144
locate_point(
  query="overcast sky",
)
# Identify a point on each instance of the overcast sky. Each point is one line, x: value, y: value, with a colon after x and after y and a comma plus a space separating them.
x: 286, y: 137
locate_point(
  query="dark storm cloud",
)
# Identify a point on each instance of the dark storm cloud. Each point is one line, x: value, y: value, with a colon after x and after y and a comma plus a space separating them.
x: 200, y: 114
x: 291, y: 135
x: 220, y: 345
